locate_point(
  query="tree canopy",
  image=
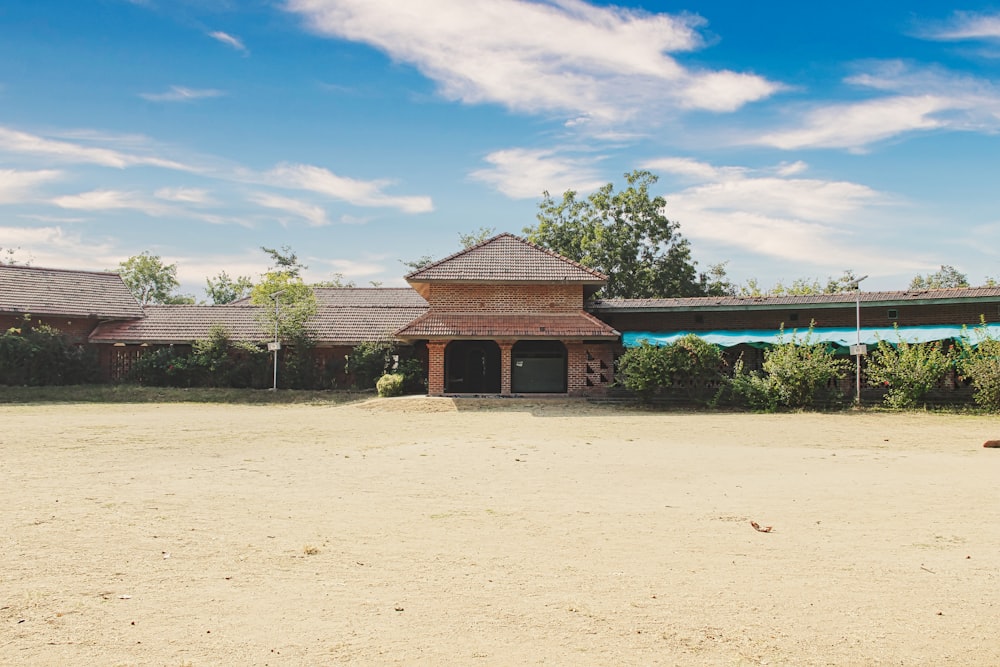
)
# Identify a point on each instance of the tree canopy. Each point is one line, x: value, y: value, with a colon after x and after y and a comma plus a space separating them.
x: 947, y: 277
x: 151, y: 281
x: 222, y: 289
x: 625, y: 235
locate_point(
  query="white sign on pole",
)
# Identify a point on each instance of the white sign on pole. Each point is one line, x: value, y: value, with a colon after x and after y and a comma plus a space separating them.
x: 273, y: 347
x: 859, y: 350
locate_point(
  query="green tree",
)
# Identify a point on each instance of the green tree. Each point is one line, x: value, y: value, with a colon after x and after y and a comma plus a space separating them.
x: 946, y: 277
x: 296, y: 303
x: 625, y: 235
x: 476, y: 237
x: 802, y: 286
x: 223, y: 289
x: 150, y: 280
x: 909, y: 370
x: 285, y: 260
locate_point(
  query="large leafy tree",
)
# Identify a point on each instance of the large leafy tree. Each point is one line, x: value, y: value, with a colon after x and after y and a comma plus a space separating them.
x: 150, y: 280
x: 625, y: 235
x: 947, y: 277
x: 223, y: 289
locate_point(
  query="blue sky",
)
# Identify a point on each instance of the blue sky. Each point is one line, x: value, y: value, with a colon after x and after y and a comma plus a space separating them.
x: 791, y: 140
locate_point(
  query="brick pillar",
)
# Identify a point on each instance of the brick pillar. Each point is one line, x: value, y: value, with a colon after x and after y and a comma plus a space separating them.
x: 435, y: 367
x: 505, y: 363
x: 576, y: 376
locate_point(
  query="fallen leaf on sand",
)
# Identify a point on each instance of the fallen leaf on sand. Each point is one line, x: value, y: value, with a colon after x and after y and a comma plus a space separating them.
x: 757, y: 527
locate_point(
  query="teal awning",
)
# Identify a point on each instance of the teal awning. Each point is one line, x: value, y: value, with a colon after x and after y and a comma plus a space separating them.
x: 839, y: 336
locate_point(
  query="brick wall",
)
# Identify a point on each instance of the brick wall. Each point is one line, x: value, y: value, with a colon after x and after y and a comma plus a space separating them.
x: 590, y: 368
x: 799, y: 318
x: 505, y: 298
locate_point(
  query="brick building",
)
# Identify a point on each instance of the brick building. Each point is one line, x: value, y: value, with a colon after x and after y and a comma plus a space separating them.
x: 74, y: 302
x: 506, y: 317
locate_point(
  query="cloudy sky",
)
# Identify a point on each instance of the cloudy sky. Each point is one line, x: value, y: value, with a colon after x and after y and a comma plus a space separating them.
x: 790, y: 141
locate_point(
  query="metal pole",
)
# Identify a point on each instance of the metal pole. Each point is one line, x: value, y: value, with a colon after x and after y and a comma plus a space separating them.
x: 275, y: 295
x: 857, y: 356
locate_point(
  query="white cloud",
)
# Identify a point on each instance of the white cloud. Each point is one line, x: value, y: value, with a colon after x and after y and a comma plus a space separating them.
x: 759, y: 213
x: 564, y: 56
x: 522, y: 173
x: 315, y: 215
x: 111, y: 200
x: 182, y: 94
x: 230, y: 40
x: 184, y: 195
x: 917, y: 99
x: 18, y: 186
x: 24, y: 143
x: 351, y: 190
x: 53, y: 247
x: 966, y: 26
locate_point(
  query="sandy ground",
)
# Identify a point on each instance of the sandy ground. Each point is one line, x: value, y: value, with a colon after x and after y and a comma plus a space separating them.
x: 428, y: 532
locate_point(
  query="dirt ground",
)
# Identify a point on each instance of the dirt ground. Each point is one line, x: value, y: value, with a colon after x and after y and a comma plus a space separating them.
x: 423, y: 531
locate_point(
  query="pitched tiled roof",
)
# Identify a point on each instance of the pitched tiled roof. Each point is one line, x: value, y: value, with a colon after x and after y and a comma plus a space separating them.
x: 465, y: 325
x: 183, y: 324
x: 345, y: 316
x: 819, y: 300
x: 37, y: 291
x: 506, y: 258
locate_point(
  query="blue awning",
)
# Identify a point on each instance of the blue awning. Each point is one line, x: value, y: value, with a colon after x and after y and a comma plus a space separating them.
x: 839, y: 336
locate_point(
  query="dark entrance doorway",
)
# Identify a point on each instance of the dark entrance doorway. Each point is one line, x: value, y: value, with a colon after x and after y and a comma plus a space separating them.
x: 538, y: 367
x: 472, y: 367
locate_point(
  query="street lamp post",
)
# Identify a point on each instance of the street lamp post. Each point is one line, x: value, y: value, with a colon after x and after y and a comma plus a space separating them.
x: 857, y: 349
x: 276, y: 345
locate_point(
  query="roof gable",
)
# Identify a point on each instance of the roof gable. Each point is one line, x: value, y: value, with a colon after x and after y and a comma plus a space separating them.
x: 37, y: 291
x: 507, y: 258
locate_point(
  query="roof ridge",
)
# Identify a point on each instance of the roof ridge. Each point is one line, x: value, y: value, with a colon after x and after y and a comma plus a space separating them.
x: 551, y: 253
x: 22, y: 267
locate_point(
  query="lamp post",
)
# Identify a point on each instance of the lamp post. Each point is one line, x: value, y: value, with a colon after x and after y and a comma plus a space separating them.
x: 276, y: 345
x: 858, y: 351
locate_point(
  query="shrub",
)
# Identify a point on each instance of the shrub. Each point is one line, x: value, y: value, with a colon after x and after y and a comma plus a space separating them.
x: 909, y: 370
x: 414, y: 377
x: 390, y: 384
x: 215, y: 361
x: 690, y: 365
x: 979, y: 361
x: 368, y: 362
x: 795, y: 373
x: 41, y: 355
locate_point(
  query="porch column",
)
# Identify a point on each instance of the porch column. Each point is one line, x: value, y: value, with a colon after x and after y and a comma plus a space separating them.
x: 505, y: 346
x: 435, y: 367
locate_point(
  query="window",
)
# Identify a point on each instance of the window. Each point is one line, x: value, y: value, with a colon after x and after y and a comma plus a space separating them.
x: 892, y: 314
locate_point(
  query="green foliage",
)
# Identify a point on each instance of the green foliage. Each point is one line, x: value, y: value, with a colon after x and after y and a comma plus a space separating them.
x: 909, y: 370
x: 795, y: 374
x: 846, y: 282
x: 215, y: 361
x: 296, y: 303
x: 625, y: 235
x: 150, y: 280
x: 978, y: 360
x: 222, y: 289
x: 414, y: 377
x: 690, y: 365
x: 284, y: 260
x: 947, y: 277
x: 368, y: 362
x: 41, y: 356
x: 476, y: 237
x: 390, y: 384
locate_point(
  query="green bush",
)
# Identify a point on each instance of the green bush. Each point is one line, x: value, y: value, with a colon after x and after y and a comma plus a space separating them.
x: 215, y: 361
x: 42, y: 356
x: 368, y: 362
x: 978, y: 360
x: 689, y: 365
x: 390, y: 384
x: 414, y: 377
x: 795, y: 374
x: 909, y: 370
